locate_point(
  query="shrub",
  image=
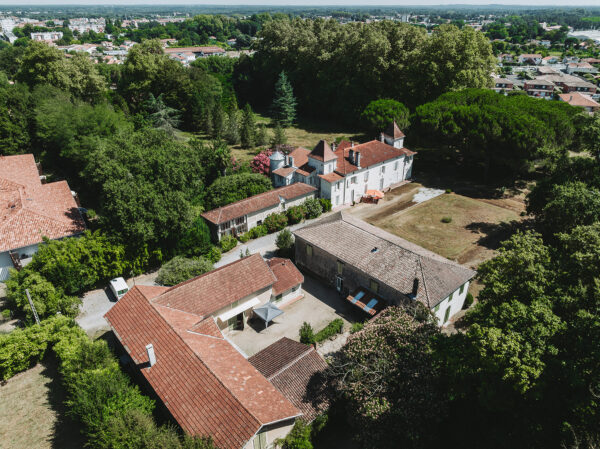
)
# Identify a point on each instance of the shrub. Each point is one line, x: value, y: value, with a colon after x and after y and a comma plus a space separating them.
x: 228, y: 189
x: 228, y: 242
x: 468, y: 301
x: 181, y: 269
x: 284, y: 240
x: 47, y: 299
x: 298, y: 438
x: 325, y: 204
x: 258, y: 231
x: 275, y: 222
x: 307, y: 335
x: 244, y: 237
x: 356, y: 327
x: 6, y: 314
x: 448, y: 190
x: 446, y: 219
x: 313, y: 208
x: 23, y: 348
x: 295, y: 214
x: 261, y: 163
x: 214, y: 254
x: 333, y: 328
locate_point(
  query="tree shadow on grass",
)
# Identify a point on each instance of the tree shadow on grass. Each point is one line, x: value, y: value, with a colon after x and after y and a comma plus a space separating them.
x: 67, y: 432
x: 493, y: 234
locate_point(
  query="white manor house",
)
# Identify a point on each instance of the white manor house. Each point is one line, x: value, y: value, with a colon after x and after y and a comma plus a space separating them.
x: 345, y: 172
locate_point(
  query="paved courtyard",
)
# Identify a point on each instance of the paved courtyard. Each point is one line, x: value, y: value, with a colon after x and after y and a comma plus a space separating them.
x: 321, y: 304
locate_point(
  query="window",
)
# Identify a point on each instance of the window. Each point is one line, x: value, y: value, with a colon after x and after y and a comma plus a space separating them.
x: 278, y: 297
x: 374, y: 286
x: 382, y: 169
x: 447, y: 314
x: 337, y: 199
x: 260, y: 441
x: 295, y: 289
x: 450, y: 297
x: 396, y: 166
x: 366, y: 176
x: 354, y: 180
x: 462, y: 289
x: 340, y: 267
x: 240, y: 220
x: 309, y: 250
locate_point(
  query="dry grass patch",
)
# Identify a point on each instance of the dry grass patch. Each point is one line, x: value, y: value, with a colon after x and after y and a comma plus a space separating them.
x: 475, y: 229
x: 31, y: 412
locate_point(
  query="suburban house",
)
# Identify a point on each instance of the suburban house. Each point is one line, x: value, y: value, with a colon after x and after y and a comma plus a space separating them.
x: 46, y: 36
x: 345, y: 172
x: 296, y: 370
x: 550, y: 60
x: 581, y: 100
x: 502, y: 85
x: 32, y: 210
x: 372, y: 268
x: 241, y: 216
x: 528, y: 58
x: 175, y: 348
x: 569, y: 83
x: 505, y: 57
x: 539, y: 88
x: 198, y: 52
x: 581, y: 67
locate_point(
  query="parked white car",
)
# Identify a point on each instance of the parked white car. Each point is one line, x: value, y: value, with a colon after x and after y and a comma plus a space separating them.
x: 119, y: 287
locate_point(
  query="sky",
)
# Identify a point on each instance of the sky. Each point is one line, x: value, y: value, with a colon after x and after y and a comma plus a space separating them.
x: 306, y: 2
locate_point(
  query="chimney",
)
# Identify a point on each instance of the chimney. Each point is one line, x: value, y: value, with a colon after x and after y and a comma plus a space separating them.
x: 151, y: 355
x: 333, y: 146
x: 287, y: 160
x: 381, y: 137
x: 357, y: 156
x: 352, y: 144
x: 351, y: 156
x: 415, y: 289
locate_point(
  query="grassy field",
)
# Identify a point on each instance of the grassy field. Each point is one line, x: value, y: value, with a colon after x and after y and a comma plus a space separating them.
x: 471, y: 237
x: 32, y: 414
x: 303, y: 134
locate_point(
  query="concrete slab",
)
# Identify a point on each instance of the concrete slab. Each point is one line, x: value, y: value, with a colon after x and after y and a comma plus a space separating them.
x: 321, y: 305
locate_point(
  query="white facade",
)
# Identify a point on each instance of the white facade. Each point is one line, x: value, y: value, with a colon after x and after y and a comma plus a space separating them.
x: 24, y: 254
x: 451, y: 305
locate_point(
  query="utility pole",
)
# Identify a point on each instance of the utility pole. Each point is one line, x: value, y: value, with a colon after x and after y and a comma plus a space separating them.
x: 37, y: 318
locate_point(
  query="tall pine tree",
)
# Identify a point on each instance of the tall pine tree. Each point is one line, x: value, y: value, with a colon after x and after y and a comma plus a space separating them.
x: 248, y: 131
x: 283, y: 108
x: 232, y: 131
x: 279, y: 137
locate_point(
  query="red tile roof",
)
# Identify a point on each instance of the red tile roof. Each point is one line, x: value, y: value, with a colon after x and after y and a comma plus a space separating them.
x: 579, y: 99
x: 208, y: 387
x: 258, y: 202
x: 30, y: 210
x: 210, y: 292
x: 288, y: 276
x: 394, y: 132
x: 296, y: 370
x: 331, y: 177
x: 372, y: 153
x: 206, y: 50
x: 322, y: 152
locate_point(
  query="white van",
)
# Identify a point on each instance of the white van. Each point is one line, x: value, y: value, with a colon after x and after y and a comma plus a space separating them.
x: 119, y: 287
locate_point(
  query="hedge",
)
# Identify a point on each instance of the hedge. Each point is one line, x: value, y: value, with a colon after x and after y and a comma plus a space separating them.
x: 295, y: 214
x: 228, y: 242
x: 333, y: 328
x: 313, y: 208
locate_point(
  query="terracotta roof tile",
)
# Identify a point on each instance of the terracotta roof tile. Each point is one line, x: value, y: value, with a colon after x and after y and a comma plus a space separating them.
x: 372, y: 153
x: 286, y: 273
x: 322, y: 152
x: 331, y: 177
x: 296, y: 370
x: 209, y: 387
x: 206, y: 294
x: 258, y: 202
x: 30, y: 210
x: 393, y: 131
x: 579, y: 99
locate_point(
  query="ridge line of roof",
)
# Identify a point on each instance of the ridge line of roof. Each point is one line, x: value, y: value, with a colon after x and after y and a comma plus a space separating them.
x: 293, y: 362
x: 425, y: 283
x: 198, y: 357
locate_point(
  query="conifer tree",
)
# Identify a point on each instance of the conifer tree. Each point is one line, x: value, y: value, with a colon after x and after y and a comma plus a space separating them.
x: 218, y: 121
x: 248, y: 128
x: 232, y: 131
x: 279, y: 137
x: 262, y: 137
x: 283, y: 108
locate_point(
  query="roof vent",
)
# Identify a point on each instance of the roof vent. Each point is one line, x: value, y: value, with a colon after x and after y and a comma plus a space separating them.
x: 374, y: 250
x: 151, y: 355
